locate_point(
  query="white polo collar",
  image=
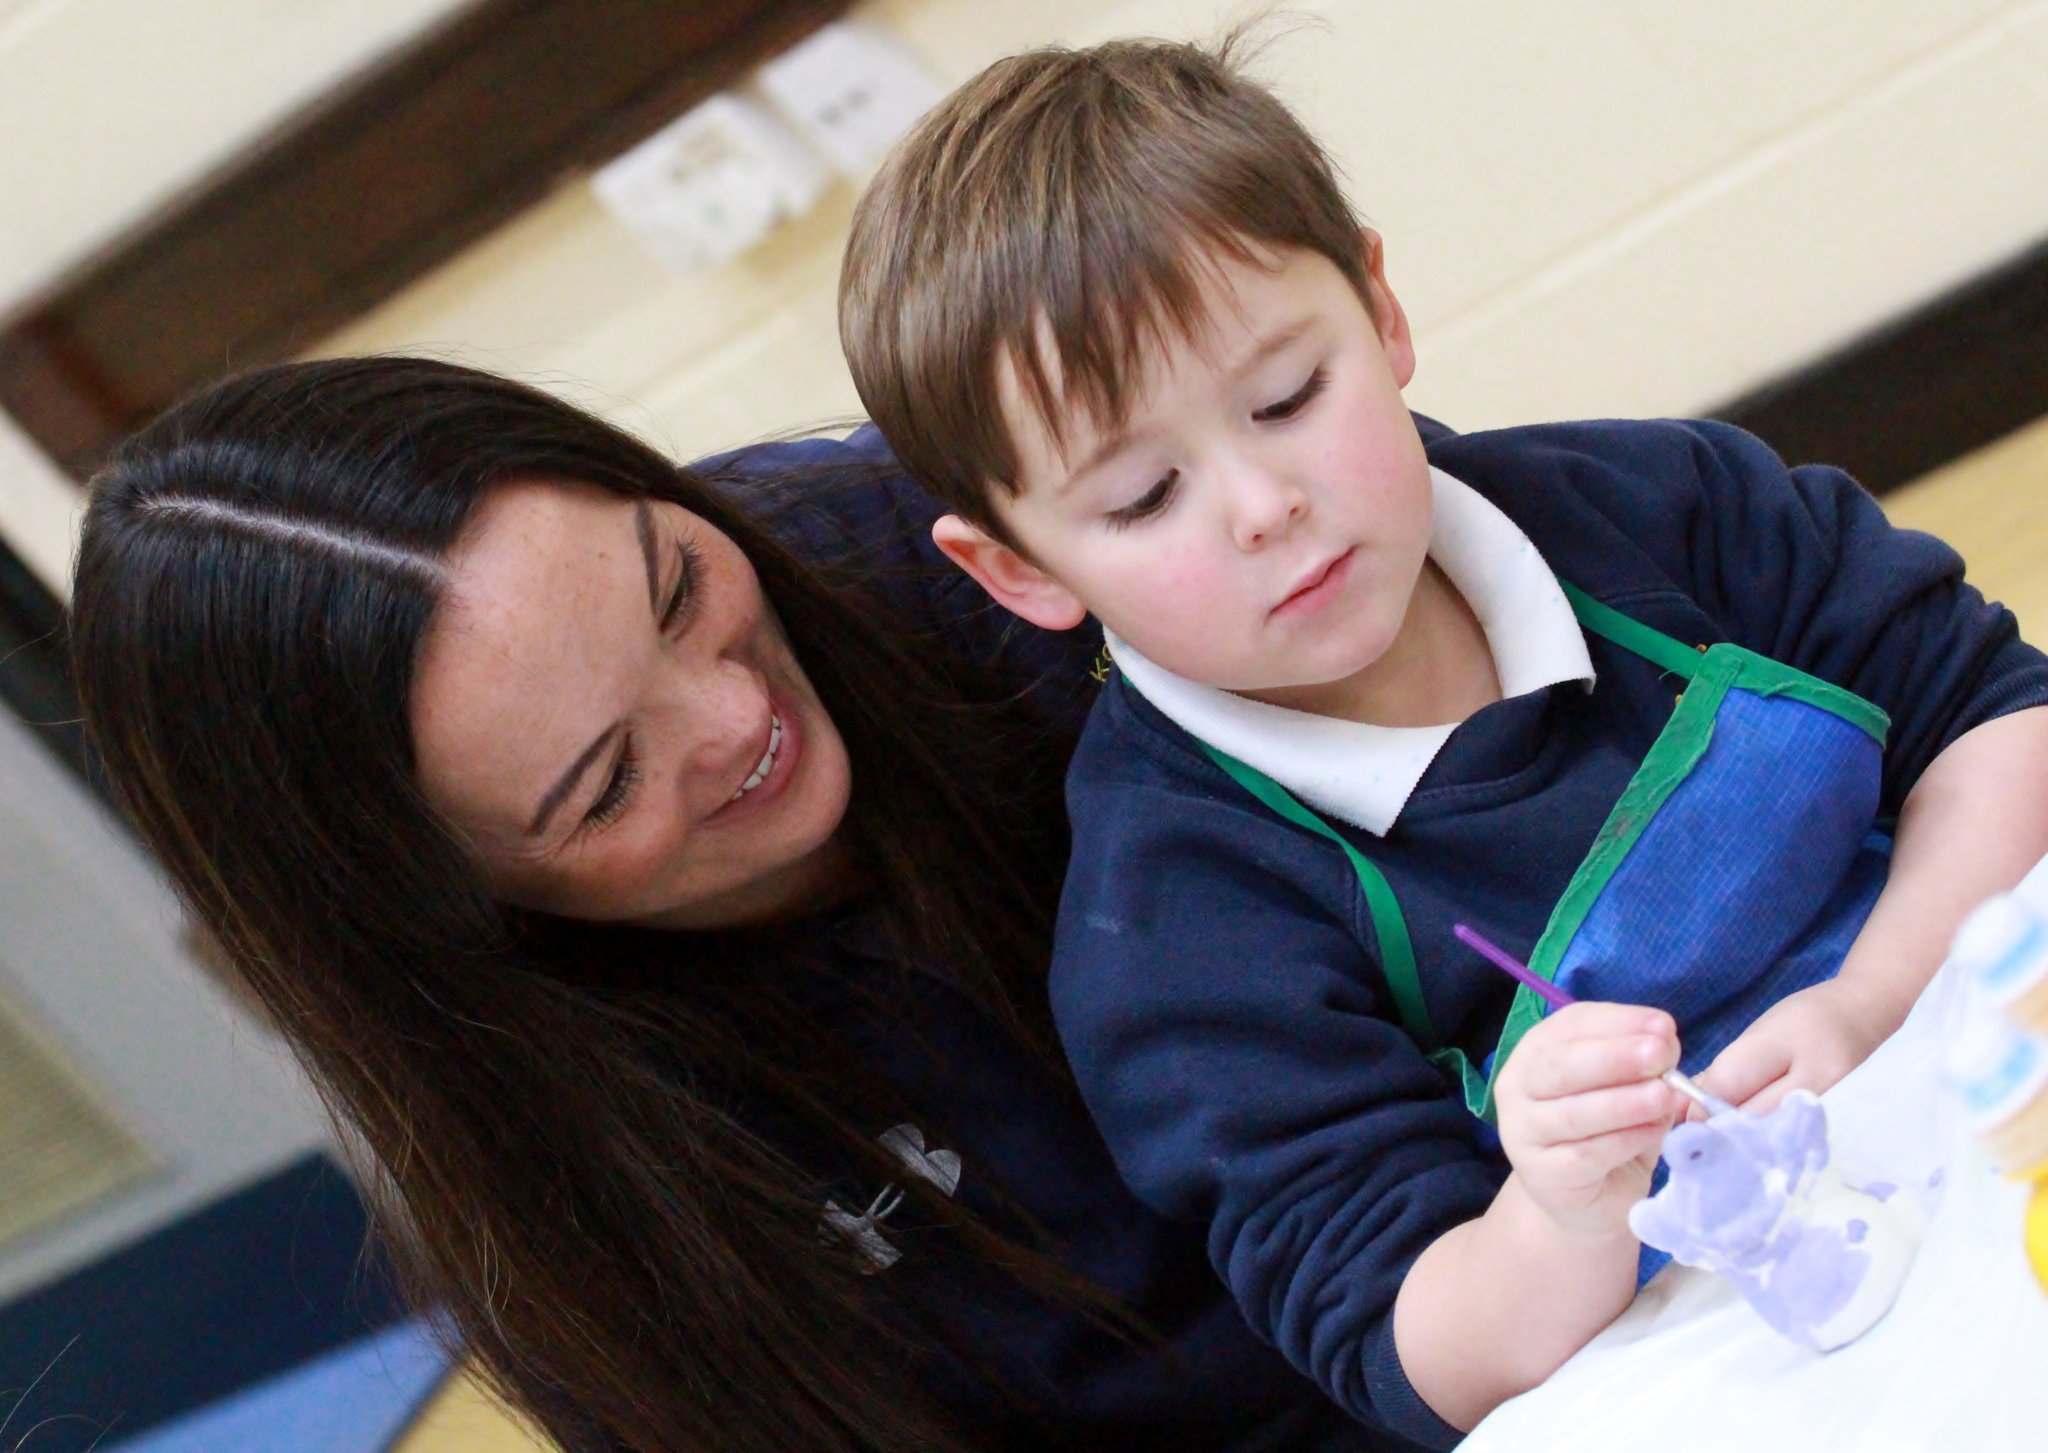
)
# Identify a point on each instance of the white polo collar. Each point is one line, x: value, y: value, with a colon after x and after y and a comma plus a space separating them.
x: 1365, y: 774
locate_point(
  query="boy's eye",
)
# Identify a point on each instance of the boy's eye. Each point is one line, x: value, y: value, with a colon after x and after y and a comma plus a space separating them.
x: 1151, y: 502
x: 1295, y: 402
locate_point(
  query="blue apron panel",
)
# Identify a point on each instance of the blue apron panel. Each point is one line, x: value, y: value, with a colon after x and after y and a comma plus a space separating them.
x: 1749, y: 883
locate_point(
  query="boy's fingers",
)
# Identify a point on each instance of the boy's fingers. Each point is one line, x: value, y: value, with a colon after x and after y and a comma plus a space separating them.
x: 1595, y: 1018
x: 1597, y: 1113
x: 1581, y: 1065
x: 1744, y: 1068
x: 1597, y: 1155
x: 1765, y: 1100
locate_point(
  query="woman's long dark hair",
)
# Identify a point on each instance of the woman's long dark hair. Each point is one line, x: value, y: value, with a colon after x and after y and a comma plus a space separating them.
x: 569, y: 1162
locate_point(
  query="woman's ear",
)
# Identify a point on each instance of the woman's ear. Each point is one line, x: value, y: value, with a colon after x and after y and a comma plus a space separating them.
x: 1017, y: 585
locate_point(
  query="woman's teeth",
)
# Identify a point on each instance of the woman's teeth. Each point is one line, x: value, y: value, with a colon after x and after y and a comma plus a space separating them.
x: 767, y: 763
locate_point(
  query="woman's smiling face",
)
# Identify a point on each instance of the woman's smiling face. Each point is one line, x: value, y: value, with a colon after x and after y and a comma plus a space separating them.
x: 607, y: 708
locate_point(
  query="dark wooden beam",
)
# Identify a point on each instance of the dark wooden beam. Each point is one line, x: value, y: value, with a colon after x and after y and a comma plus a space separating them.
x: 392, y: 174
x: 35, y: 676
x: 1926, y: 388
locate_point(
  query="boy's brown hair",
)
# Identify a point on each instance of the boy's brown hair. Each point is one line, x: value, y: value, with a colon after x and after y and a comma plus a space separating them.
x: 1057, y: 211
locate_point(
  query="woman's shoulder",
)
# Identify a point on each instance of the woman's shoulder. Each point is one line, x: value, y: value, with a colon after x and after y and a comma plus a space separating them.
x: 833, y: 500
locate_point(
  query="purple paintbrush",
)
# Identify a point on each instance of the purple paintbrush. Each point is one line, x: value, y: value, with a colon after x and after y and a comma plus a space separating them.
x: 1557, y: 998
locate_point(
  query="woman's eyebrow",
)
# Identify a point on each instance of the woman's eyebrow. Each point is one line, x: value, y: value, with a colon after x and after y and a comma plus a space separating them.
x: 643, y: 525
x: 559, y: 793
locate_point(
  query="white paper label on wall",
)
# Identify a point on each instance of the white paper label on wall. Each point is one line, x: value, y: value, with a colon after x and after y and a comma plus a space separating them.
x: 851, y: 89
x: 710, y: 184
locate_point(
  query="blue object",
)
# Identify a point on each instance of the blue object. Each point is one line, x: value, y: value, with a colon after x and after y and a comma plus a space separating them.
x: 358, y: 1399
x: 238, y: 1291
x: 1751, y: 882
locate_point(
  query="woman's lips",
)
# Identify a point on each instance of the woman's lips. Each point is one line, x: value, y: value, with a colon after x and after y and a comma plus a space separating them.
x: 768, y: 758
x: 782, y: 753
x: 1320, y: 588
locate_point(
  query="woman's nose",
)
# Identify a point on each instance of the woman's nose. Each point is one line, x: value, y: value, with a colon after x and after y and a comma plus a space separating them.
x: 711, y: 711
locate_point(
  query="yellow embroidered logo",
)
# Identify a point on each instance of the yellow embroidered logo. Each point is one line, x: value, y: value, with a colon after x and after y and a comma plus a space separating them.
x: 1099, y: 672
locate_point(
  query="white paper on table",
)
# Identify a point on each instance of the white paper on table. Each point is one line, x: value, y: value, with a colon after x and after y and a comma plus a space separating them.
x: 1958, y: 1362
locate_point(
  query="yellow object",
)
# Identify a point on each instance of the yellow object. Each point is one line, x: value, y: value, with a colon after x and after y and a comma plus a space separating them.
x: 463, y: 1418
x: 2037, y: 1232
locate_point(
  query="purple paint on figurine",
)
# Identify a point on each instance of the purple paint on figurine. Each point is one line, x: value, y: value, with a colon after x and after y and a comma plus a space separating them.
x: 1751, y: 1198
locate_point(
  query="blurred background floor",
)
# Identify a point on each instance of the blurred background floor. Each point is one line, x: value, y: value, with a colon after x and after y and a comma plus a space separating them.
x: 462, y: 1418
x: 1992, y: 505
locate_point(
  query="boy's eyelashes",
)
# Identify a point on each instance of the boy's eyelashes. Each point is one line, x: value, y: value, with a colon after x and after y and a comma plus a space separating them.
x: 1295, y: 402
x: 1151, y: 502
x: 1155, y: 499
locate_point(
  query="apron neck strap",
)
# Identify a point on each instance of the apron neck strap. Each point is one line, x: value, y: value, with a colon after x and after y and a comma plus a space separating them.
x: 1389, y: 925
x: 1632, y: 635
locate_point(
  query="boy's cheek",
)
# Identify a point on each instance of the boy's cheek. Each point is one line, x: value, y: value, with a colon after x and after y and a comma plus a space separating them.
x: 1171, y: 598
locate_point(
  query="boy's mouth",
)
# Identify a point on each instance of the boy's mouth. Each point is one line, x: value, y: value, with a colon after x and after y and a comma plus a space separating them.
x: 1318, y: 586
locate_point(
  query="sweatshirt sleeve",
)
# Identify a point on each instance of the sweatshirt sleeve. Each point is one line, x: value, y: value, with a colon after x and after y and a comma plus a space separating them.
x: 1227, y: 1030
x: 1800, y: 564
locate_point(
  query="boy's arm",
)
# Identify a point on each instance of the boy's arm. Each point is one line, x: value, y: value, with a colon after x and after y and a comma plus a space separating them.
x: 1808, y: 569
x: 1227, y: 1030
x: 1801, y: 565
x: 1972, y: 826
x: 1495, y: 1305
x: 1798, y: 564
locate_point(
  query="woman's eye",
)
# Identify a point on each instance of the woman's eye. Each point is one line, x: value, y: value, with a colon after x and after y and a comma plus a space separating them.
x: 611, y: 804
x: 1151, y: 502
x: 1295, y: 402
x: 682, y: 600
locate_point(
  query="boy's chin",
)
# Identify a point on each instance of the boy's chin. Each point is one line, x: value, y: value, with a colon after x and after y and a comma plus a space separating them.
x: 1262, y: 686
x: 1248, y: 678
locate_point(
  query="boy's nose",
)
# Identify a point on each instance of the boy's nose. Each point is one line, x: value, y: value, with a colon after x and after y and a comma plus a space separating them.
x: 1264, y: 508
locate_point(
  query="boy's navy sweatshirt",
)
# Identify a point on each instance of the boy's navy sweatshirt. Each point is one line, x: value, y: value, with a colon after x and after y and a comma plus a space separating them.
x: 1215, y: 982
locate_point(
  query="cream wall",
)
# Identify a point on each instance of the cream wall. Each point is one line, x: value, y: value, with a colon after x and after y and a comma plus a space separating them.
x: 1592, y: 206
x: 108, y: 108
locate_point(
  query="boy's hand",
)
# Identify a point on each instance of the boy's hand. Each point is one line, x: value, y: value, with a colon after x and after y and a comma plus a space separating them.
x: 1806, y: 1041
x: 1583, y: 1114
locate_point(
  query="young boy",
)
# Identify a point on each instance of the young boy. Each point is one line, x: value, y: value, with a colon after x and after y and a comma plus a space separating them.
x: 1111, y: 307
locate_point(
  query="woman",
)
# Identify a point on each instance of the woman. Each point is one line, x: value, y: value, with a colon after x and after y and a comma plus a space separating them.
x: 655, y: 870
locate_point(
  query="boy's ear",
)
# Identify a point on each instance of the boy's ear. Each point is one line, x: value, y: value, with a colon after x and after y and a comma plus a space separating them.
x: 1392, y: 322
x: 1017, y: 585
